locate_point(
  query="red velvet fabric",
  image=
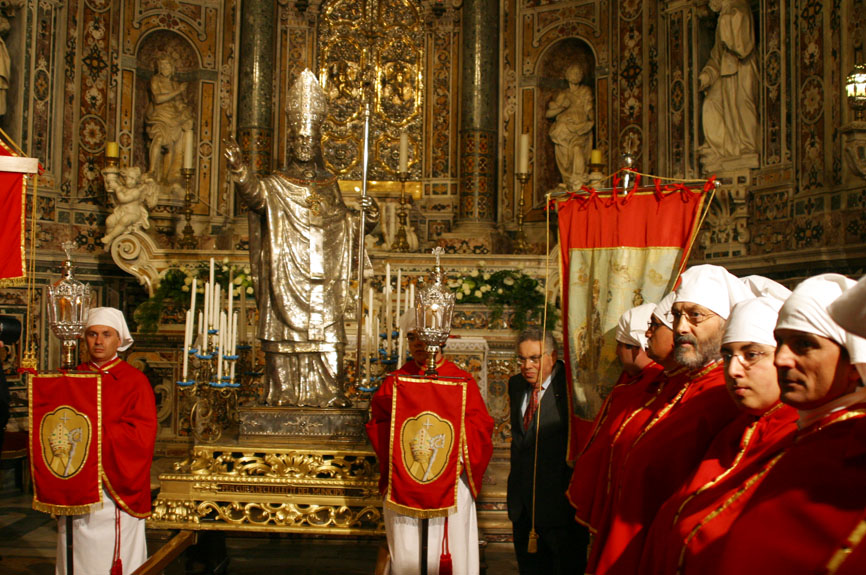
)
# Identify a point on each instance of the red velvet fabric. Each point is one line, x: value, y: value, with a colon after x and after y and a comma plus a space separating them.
x: 479, y: 424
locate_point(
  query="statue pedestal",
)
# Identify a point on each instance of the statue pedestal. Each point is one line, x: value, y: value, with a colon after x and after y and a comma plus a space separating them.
x: 243, y: 486
x: 293, y: 469
x: 303, y: 425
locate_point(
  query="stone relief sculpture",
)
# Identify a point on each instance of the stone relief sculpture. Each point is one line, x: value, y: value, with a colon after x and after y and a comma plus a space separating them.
x: 134, y: 194
x: 166, y: 117
x: 301, y: 238
x: 5, y: 63
x: 730, y: 79
x: 571, y: 132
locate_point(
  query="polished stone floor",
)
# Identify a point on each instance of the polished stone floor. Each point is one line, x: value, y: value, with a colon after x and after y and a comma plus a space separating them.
x: 27, y: 547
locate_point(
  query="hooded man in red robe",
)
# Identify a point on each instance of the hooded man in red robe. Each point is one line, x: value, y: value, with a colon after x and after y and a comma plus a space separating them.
x: 403, y: 531
x: 807, y: 513
x: 116, y: 531
x: 687, y: 532
x: 670, y: 445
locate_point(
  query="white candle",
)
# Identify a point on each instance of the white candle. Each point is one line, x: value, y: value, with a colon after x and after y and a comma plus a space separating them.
x: 186, y: 339
x: 399, y: 280
x: 404, y: 152
x: 369, y: 328
x: 187, y: 149
x: 192, y: 297
x: 234, y: 345
x: 411, y: 297
x: 210, y: 277
x: 221, y: 340
x: 207, y: 311
x: 200, y: 329
x: 400, y: 349
x: 231, y: 296
x: 243, y: 313
x: 388, y: 308
x: 215, y: 306
x: 523, y: 154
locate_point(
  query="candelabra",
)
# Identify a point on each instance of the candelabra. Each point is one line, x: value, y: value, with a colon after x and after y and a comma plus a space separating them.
x: 520, y: 244
x: 188, y: 241
x: 401, y: 244
x: 214, y: 396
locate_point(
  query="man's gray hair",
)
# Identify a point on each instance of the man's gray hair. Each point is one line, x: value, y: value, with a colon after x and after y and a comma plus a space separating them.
x: 536, y: 334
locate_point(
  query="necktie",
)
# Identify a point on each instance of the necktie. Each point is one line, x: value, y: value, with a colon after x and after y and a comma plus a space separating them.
x: 531, y: 408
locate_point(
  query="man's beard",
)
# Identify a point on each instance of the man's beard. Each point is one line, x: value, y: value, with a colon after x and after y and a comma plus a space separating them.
x: 702, y: 352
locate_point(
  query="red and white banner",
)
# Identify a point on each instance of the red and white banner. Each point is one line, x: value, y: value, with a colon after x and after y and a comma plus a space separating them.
x: 12, y: 198
x: 427, y: 435
x: 66, y: 441
x: 617, y: 251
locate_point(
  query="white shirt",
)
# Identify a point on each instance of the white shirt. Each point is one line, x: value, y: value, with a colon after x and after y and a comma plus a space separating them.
x: 525, y: 403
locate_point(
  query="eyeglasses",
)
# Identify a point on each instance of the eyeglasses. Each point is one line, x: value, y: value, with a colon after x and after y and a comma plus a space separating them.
x: 693, y: 317
x: 747, y: 358
x: 533, y: 359
x: 653, y: 324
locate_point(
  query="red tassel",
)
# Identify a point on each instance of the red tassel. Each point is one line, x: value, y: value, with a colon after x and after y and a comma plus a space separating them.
x: 445, y: 565
x: 117, y: 567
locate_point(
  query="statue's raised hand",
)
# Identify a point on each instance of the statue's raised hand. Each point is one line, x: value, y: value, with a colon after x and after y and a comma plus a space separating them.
x: 233, y: 154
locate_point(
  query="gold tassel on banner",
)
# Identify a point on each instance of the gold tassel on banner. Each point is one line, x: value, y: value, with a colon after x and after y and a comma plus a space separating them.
x: 532, y: 546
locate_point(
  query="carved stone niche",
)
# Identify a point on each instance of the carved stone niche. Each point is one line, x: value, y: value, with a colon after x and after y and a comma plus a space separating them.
x: 854, y: 145
x: 725, y: 231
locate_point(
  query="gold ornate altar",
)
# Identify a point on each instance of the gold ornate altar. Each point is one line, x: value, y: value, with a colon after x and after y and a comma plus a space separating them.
x: 249, y: 487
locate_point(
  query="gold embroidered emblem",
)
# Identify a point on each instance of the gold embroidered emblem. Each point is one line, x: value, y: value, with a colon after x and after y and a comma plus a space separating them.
x: 314, y: 202
x: 427, y: 441
x: 65, y: 435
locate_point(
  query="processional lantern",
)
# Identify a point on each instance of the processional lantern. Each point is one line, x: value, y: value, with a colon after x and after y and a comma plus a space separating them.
x: 434, y: 304
x: 855, y: 87
x: 68, y: 304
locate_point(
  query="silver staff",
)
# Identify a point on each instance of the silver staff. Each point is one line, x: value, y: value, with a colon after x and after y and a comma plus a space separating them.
x: 359, y: 309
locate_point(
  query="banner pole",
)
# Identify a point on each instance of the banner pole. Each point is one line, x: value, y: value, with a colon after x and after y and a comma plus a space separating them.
x: 425, y: 531
x: 69, y: 565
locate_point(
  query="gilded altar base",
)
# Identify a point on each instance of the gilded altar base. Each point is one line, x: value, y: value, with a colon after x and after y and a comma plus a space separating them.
x: 251, y: 486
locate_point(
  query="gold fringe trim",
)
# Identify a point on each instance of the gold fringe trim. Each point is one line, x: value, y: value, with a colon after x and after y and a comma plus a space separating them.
x: 418, y: 513
x: 13, y: 282
x: 66, y: 509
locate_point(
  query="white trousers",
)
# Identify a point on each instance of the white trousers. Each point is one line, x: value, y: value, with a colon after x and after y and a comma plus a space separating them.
x: 404, y: 538
x: 93, y: 541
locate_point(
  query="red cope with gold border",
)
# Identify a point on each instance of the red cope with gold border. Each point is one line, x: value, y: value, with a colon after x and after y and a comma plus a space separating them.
x: 426, y: 439
x: 66, y: 441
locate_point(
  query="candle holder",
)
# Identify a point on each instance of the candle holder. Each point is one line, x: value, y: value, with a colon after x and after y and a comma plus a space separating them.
x: 112, y: 162
x: 401, y: 244
x: 69, y: 302
x: 520, y: 244
x: 187, y: 240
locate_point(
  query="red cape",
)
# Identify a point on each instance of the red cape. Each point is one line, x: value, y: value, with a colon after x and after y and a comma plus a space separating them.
x: 658, y: 463
x: 587, y: 486
x: 128, y: 434
x: 479, y: 424
x: 687, y: 532
x: 808, y: 504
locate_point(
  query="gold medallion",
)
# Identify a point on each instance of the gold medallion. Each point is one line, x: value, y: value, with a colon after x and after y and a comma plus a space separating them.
x: 65, y: 435
x: 427, y: 441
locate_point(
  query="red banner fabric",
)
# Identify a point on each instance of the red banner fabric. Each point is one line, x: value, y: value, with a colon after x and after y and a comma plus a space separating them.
x: 66, y: 441
x: 618, y: 250
x: 11, y: 226
x: 427, y: 436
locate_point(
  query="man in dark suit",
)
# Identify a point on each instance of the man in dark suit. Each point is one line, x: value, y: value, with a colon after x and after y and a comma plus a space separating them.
x: 537, y: 505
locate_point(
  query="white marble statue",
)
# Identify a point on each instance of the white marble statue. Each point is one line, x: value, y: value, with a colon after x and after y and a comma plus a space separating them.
x: 134, y: 194
x: 571, y: 132
x: 730, y: 79
x: 166, y: 117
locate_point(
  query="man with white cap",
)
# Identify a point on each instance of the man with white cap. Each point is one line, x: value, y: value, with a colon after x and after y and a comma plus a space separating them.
x: 113, y: 536
x: 539, y: 474
x: 807, y: 512
x: 586, y: 491
x: 402, y: 531
x: 687, y: 531
x: 672, y: 443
